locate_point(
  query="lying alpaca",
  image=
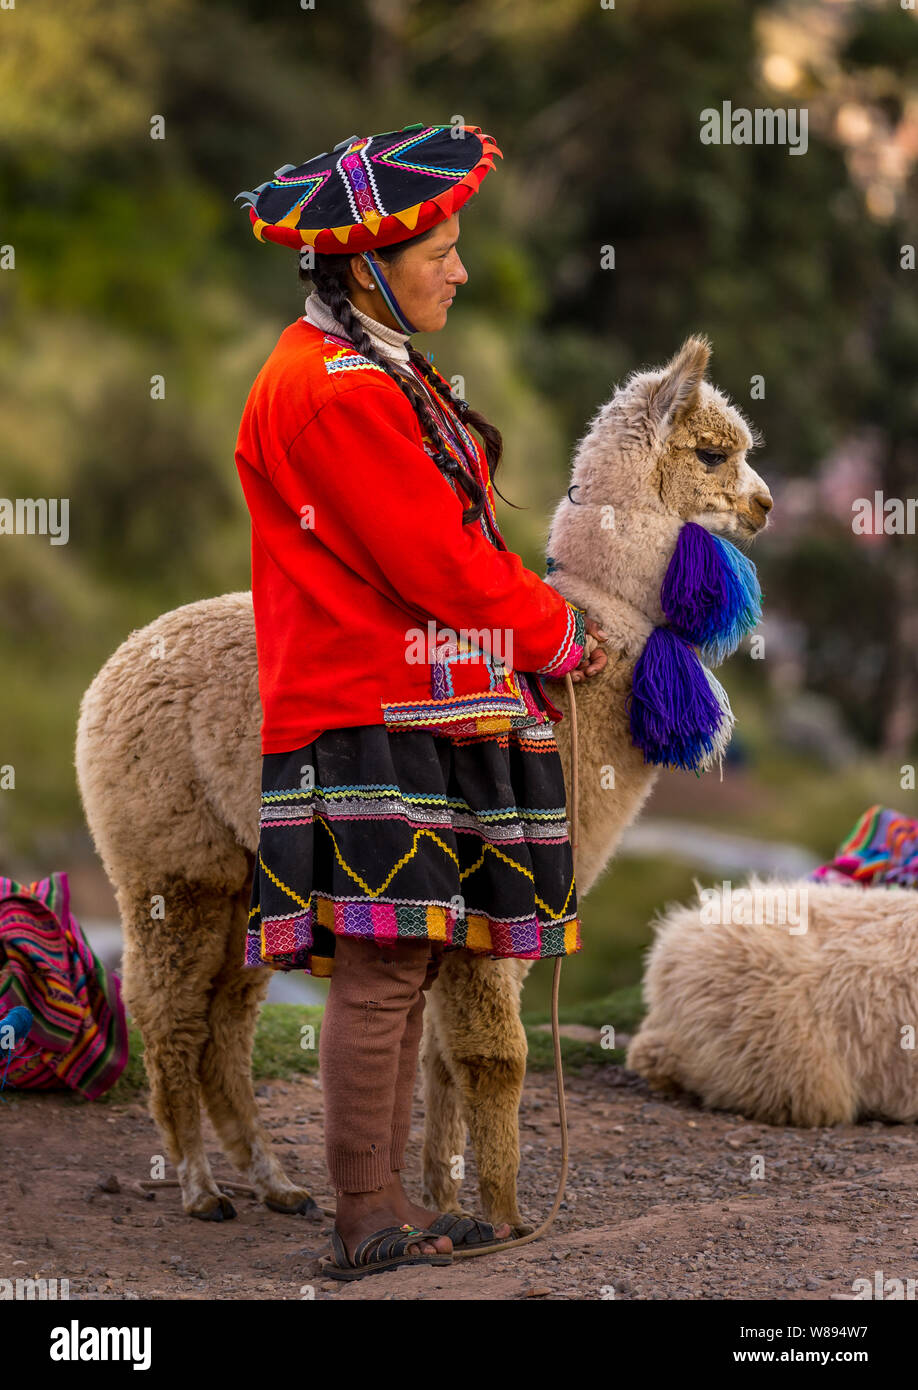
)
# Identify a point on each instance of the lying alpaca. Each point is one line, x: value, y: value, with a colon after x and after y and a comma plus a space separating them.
x: 168, y: 763
x: 783, y: 1026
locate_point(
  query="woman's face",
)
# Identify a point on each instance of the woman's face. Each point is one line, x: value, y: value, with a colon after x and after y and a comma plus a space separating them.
x: 424, y: 280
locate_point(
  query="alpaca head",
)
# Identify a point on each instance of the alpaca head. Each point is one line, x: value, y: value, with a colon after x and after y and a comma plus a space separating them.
x: 669, y: 442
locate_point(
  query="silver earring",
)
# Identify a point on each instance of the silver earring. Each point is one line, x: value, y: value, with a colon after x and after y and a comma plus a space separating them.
x: 371, y: 286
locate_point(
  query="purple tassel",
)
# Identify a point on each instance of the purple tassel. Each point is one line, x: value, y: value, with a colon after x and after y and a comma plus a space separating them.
x: 694, y: 594
x: 710, y: 592
x: 675, y: 718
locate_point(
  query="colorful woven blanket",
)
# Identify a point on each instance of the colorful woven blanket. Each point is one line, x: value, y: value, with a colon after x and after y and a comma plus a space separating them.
x: 881, y: 852
x: 79, y: 1035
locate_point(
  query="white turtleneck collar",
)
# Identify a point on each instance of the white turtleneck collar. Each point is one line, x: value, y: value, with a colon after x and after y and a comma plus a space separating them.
x: 388, y: 341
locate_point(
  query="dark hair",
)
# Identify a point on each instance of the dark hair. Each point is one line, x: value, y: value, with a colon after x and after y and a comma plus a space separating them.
x: 328, y: 275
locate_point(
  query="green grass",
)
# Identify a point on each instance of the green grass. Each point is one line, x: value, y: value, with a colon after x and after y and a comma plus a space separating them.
x: 623, y: 1009
x: 279, y: 1056
x: 134, y: 1078
x: 278, y: 1053
x: 615, y: 932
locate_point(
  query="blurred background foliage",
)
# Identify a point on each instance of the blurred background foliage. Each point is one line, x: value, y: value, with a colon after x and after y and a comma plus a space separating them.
x: 132, y: 261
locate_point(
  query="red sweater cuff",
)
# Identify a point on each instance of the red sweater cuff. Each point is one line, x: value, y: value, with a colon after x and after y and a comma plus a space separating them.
x: 570, y: 653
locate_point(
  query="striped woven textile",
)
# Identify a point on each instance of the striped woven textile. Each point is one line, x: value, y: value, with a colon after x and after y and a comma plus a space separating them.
x: 413, y: 834
x: 79, y: 1038
x: 881, y: 851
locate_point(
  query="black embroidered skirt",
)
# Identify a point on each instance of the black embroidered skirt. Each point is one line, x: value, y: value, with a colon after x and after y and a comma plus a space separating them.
x: 389, y: 834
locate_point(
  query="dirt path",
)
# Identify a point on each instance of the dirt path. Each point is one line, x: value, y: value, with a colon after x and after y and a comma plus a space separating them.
x: 660, y: 1204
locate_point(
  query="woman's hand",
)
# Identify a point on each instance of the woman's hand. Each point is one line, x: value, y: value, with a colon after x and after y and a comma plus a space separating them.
x: 593, y: 660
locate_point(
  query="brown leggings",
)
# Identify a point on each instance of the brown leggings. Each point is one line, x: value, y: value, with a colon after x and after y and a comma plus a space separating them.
x: 368, y: 1054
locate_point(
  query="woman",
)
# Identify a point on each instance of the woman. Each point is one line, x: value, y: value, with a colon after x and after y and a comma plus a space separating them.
x: 413, y: 798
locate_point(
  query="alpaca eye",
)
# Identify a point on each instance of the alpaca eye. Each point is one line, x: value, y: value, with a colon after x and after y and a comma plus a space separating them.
x: 709, y: 457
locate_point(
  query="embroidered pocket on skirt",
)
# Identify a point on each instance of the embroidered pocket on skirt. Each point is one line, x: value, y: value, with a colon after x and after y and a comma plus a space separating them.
x: 472, y: 692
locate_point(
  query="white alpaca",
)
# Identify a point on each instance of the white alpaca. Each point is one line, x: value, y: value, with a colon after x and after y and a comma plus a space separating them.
x: 812, y: 1027
x: 168, y: 761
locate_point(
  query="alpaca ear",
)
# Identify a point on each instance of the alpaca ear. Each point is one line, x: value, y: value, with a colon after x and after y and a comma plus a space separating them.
x: 676, y: 393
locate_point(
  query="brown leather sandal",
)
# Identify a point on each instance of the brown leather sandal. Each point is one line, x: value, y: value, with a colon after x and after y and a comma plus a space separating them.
x: 384, y: 1249
x: 464, y: 1230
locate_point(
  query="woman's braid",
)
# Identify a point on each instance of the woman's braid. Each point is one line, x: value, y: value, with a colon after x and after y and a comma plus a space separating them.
x: 328, y: 276
x: 490, y: 434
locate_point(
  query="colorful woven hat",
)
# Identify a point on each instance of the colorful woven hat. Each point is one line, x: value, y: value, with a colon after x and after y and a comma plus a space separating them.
x: 372, y: 190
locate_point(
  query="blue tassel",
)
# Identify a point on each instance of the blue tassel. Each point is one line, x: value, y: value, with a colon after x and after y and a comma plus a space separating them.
x: 710, y: 593
x: 743, y: 608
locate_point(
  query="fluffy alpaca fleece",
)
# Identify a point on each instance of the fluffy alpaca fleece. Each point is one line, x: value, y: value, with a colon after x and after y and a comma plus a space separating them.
x: 635, y: 481
x: 786, y: 1027
x: 168, y: 763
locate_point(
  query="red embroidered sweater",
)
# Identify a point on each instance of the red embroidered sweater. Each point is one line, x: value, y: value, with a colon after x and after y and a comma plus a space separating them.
x: 360, y: 561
